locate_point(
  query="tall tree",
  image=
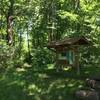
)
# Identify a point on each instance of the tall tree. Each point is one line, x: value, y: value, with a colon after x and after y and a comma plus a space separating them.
x: 10, y: 18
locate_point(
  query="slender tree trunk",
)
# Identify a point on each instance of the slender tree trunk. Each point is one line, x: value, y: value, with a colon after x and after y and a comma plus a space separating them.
x: 77, y: 4
x: 28, y: 44
x: 52, y: 21
x: 20, y: 43
x: 9, y: 23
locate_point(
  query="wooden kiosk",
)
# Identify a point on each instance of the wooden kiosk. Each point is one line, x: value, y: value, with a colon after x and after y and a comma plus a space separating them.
x: 67, y: 50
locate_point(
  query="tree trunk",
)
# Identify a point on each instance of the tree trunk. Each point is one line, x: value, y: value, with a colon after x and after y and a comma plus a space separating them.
x: 9, y: 23
x: 28, y: 42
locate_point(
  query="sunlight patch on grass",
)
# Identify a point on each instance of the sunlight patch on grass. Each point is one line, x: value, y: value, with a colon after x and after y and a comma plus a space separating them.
x: 70, y: 85
x: 61, y: 86
x: 67, y: 68
x: 86, y: 72
x: 60, y: 97
x: 20, y: 70
x: 26, y: 65
x: 21, y: 83
x: 32, y: 89
x: 75, y: 84
x: 43, y: 76
x: 50, y: 66
x: 12, y: 83
x: 80, y: 86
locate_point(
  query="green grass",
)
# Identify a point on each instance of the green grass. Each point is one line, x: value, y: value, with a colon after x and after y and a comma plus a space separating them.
x: 26, y: 84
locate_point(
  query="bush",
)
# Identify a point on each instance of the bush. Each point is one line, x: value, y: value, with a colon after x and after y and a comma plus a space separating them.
x: 6, y: 56
x: 40, y: 58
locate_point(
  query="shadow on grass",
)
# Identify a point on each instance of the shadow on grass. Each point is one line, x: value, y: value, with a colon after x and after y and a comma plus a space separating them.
x: 27, y: 84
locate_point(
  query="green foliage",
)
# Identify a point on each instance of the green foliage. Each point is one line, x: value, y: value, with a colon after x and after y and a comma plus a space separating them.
x: 32, y: 29
x: 6, y: 56
x: 68, y: 15
x: 40, y: 58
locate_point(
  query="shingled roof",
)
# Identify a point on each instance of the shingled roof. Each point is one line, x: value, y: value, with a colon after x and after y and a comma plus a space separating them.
x: 67, y: 41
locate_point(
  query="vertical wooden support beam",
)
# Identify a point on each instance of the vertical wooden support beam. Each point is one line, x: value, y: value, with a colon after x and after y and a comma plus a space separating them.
x: 56, y: 62
x: 56, y: 58
x: 73, y: 58
x: 77, y: 61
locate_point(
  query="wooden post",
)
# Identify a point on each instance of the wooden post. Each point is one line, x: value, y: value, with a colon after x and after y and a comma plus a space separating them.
x: 56, y: 62
x: 77, y: 61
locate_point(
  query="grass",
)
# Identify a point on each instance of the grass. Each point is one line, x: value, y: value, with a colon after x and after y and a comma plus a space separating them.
x: 26, y: 84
